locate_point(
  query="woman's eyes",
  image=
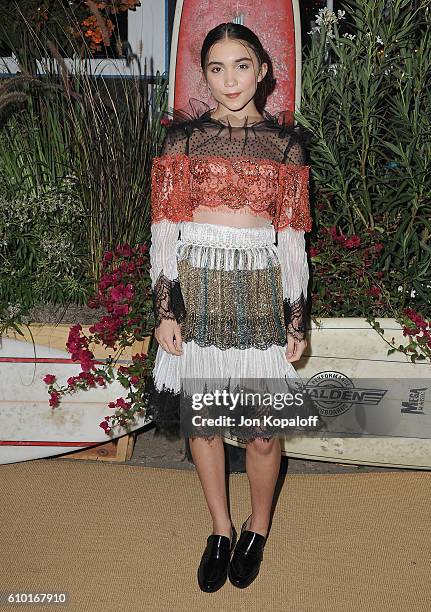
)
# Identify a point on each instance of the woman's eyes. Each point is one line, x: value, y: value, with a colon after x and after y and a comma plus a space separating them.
x: 216, y: 67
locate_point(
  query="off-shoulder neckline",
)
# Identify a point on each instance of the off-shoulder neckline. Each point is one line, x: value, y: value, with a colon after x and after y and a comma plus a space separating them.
x: 200, y: 115
x: 237, y: 158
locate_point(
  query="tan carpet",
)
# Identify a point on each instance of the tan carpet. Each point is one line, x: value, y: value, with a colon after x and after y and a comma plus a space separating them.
x: 122, y: 538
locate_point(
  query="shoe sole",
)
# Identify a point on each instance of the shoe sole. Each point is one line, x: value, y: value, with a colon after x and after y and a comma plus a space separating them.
x: 243, y: 585
x: 211, y: 590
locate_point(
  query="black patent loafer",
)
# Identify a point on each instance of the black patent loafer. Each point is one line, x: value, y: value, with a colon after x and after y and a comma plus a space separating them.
x: 212, y: 571
x: 245, y: 563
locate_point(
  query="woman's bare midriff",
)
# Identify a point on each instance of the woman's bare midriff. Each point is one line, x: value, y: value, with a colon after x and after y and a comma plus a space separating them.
x: 232, y: 219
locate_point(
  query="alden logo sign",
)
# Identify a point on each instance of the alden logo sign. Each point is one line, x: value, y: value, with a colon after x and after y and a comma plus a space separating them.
x: 334, y: 393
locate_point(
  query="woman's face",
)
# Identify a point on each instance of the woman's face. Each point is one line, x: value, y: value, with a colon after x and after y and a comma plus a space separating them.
x: 233, y: 68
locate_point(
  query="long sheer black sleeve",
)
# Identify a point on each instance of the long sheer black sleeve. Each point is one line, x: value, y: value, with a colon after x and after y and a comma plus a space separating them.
x: 168, y: 301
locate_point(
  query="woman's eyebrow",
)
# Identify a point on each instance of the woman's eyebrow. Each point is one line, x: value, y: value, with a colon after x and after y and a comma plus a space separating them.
x: 241, y: 59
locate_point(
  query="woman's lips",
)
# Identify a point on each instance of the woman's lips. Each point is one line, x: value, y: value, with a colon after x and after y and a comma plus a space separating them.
x: 232, y: 95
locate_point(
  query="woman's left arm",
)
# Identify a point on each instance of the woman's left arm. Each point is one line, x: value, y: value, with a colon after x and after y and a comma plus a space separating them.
x: 293, y: 220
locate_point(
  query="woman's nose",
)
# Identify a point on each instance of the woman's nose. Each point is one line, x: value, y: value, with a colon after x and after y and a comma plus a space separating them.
x: 230, y: 80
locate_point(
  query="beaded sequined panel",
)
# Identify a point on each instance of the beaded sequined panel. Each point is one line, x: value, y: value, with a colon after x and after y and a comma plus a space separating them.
x: 236, y: 308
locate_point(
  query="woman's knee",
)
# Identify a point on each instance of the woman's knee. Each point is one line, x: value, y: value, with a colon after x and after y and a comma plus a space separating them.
x: 262, y: 446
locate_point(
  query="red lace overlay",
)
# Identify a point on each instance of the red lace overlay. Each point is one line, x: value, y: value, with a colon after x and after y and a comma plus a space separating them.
x: 275, y: 191
x: 293, y: 207
x: 170, y: 188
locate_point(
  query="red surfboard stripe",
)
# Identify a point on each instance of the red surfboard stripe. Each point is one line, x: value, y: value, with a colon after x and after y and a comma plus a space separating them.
x: 40, y: 360
x: 45, y: 443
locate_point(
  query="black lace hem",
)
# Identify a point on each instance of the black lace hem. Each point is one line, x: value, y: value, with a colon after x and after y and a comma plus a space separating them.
x: 294, y: 316
x: 171, y: 414
x: 163, y: 408
x: 168, y: 302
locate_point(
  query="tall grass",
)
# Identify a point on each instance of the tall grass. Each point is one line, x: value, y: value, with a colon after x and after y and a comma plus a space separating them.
x: 62, y: 122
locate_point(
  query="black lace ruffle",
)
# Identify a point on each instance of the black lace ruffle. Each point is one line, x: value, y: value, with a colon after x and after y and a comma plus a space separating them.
x: 163, y: 407
x: 200, y: 114
x: 294, y: 316
x: 168, y: 302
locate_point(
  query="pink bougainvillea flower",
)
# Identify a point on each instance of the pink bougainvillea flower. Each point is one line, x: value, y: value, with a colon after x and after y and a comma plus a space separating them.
x: 335, y: 237
x: 49, y: 379
x: 374, y: 291
x: 410, y: 331
x: 352, y: 242
x: 122, y: 292
x: 121, y: 309
x: 125, y: 250
x: 54, y: 401
x: 416, y: 318
x: 121, y: 402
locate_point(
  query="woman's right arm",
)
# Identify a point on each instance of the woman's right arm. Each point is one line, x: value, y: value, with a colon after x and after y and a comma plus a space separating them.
x: 169, y: 178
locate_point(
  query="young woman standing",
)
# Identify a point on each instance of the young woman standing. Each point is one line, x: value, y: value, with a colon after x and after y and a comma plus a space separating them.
x: 228, y: 301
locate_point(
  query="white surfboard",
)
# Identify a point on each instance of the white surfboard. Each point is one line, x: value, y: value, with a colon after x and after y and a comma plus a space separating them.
x: 29, y: 427
x: 354, y: 351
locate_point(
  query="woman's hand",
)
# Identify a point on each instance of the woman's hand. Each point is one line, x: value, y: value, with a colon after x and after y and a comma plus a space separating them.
x: 168, y: 335
x: 295, y: 348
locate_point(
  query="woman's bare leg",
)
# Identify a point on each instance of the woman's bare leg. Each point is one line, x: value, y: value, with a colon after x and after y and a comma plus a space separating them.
x: 262, y: 463
x: 208, y: 457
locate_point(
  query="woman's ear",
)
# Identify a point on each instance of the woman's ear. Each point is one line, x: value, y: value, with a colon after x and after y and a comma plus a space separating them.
x: 263, y: 70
